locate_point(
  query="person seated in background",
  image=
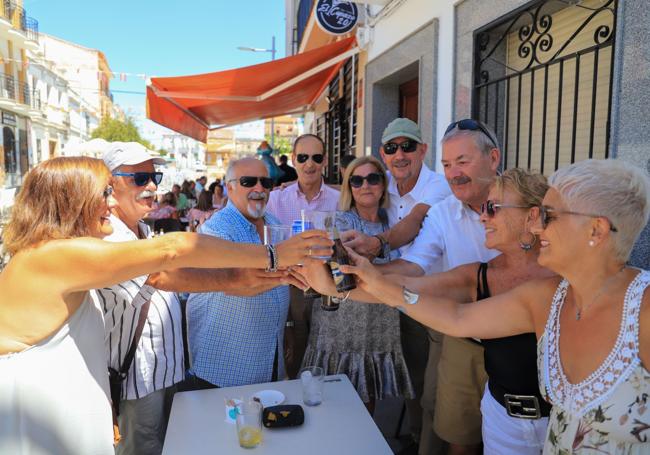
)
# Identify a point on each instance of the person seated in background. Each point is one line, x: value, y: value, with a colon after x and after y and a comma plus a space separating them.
x: 181, y: 199
x: 166, y: 208
x: 203, y: 210
x: 290, y: 173
x: 219, y: 199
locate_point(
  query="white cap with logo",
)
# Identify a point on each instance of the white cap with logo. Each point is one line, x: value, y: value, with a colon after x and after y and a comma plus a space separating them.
x: 128, y: 153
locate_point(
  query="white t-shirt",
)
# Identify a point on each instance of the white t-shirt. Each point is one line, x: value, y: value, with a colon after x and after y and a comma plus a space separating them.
x: 429, y: 189
x: 451, y: 235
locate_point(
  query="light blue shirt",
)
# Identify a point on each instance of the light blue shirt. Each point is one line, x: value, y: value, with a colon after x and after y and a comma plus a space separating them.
x: 233, y: 339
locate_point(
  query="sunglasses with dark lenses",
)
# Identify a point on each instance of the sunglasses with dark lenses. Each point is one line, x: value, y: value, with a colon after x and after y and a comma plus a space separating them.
x: 303, y: 157
x: 142, y: 178
x: 409, y: 146
x: 107, y: 192
x: 249, y: 181
x: 545, y: 214
x: 471, y: 125
x: 356, y: 181
x: 490, y: 207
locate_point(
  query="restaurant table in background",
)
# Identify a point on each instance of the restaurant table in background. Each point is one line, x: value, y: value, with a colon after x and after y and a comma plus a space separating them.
x: 340, y: 425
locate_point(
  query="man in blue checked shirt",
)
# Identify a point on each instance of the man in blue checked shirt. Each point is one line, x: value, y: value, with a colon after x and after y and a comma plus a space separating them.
x: 238, y: 340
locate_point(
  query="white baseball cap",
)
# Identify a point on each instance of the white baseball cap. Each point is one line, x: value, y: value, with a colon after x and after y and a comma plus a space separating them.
x: 129, y: 153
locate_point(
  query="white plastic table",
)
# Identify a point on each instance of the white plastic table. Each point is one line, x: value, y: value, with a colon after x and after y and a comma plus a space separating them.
x: 340, y: 425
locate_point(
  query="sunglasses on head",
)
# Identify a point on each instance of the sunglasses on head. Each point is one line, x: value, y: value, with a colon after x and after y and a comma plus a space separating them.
x: 545, y: 215
x: 408, y: 146
x: 471, y: 125
x: 142, y: 178
x: 356, y: 181
x: 316, y: 158
x: 490, y: 207
x: 248, y: 181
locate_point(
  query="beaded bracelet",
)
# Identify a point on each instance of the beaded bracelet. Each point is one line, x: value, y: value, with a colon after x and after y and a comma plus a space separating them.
x: 273, y: 261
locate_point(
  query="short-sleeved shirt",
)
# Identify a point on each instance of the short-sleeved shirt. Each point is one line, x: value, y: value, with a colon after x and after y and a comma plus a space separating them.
x: 287, y: 203
x: 233, y: 340
x: 429, y: 189
x: 451, y: 235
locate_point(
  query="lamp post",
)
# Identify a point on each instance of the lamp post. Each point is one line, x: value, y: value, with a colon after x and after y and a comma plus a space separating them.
x: 272, y: 51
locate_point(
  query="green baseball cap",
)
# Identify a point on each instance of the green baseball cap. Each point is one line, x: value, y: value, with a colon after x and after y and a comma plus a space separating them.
x: 402, y: 127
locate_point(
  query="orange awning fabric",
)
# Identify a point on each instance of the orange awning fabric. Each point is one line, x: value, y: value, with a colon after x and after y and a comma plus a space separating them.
x: 192, y: 105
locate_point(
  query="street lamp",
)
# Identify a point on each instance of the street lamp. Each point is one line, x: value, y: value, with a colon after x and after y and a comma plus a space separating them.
x: 272, y: 51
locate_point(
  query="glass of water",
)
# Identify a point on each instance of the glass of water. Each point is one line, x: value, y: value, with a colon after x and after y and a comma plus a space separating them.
x: 312, y: 379
x: 274, y: 234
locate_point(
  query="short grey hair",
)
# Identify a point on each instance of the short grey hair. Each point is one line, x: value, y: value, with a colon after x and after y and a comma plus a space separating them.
x: 611, y: 188
x: 485, y: 143
x: 232, y: 166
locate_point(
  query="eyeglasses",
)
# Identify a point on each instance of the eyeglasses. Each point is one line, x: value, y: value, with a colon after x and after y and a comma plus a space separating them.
x: 491, y: 208
x: 248, y: 181
x: 471, y: 125
x: 142, y: 178
x: 356, y: 181
x: 316, y: 158
x: 408, y: 146
x: 107, y: 192
x: 546, y: 217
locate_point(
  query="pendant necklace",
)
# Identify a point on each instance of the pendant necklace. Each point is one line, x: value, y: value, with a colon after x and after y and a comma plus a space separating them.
x: 600, y: 292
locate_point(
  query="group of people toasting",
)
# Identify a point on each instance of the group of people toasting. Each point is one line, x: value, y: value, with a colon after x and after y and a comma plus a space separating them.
x: 537, y: 331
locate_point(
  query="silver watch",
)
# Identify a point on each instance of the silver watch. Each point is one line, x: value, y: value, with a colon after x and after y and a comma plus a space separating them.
x: 409, y: 296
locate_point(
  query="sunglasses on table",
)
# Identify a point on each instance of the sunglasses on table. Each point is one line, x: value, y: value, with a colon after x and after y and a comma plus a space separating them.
x: 356, y: 181
x: 248, y: 181
x: 471, y: 125
x: 142, y: 178
x: 545, y: 214
x: 491, y: 208
x: 316, y: 158
x: 408, y: 146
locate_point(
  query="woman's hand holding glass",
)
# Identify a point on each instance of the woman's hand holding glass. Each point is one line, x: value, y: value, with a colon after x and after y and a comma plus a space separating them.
x: 317, y: 276
x: 304, y: 248
x: 369, y: 278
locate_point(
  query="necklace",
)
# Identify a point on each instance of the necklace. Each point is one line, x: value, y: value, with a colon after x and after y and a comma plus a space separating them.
x: 600, y: 292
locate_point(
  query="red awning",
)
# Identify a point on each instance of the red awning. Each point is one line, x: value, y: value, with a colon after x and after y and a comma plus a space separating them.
x: 192, y: 105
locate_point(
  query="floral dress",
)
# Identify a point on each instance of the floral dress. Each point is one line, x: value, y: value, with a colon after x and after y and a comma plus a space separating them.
x: 607, y: 412
x: 361, y: 340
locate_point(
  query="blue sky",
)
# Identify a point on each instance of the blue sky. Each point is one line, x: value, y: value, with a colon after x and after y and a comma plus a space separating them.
x: 164, y: 37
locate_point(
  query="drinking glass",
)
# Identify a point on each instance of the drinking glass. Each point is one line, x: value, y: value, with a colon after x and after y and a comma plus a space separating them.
x: 325, y: 221
x: 275, y: 234
x: 312, y: 379
x: 249, y: 424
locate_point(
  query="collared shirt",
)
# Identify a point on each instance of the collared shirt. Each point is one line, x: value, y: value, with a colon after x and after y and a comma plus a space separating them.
x: 233, y: 340
x: 429, y: 189
x: 158, y: 361
x: 286, y: 204
x: 451, y: 235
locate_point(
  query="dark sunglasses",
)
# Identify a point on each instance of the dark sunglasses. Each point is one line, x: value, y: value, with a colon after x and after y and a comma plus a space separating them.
x: 471, y: 125
x: 142, y: 178
x: 408, y: 146
x: 546, y: 217
x: 248, y: 181
x: 303, y: 157
x: 491, y: 208
x: 356, y: 181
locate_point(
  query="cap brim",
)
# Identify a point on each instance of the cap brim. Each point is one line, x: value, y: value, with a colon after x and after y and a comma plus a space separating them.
x: 155, y: 159
x: 391, y: 136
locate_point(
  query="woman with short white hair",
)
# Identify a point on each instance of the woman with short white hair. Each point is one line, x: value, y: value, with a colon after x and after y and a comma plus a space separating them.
x: 594, y: 337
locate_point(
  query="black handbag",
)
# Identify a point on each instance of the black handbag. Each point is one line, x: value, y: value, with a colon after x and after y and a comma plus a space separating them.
x: 115, y: 377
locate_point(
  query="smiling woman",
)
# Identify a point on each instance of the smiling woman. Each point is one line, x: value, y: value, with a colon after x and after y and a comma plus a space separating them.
x: 53, y: 378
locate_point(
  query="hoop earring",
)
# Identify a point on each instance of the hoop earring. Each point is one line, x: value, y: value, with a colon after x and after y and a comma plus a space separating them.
x: 523, y: 244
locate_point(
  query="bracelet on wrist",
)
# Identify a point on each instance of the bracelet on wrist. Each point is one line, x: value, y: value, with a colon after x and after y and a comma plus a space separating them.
x: 382, y: 245
x: 273, y: 259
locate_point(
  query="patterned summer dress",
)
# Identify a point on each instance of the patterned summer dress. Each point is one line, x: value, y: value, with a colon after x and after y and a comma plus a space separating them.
x: 607, y: 413
x: 361, y: 340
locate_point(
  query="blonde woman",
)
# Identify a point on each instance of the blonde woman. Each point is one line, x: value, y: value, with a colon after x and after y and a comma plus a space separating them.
x: 54, y: 393
x: 362, y: 340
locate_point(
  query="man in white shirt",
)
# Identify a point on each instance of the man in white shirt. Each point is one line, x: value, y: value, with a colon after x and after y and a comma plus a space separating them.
x: 452, y: 235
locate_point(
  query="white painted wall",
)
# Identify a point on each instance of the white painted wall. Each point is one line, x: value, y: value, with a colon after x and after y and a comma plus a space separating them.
x: 408, y: 17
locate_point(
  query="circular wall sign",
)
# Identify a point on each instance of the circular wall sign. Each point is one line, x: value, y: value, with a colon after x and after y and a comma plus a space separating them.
x: 336, y: 16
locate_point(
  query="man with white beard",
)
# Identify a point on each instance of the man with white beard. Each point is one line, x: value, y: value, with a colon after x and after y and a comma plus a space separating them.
x: 236, y: 340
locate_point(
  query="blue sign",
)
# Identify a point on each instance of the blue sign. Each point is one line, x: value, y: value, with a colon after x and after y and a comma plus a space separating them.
x: 336, y: 16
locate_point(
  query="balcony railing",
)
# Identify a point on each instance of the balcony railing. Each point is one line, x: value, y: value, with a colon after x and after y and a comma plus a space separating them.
x: 304, y: 11
x: 18, y: 91
x: 18, y: 17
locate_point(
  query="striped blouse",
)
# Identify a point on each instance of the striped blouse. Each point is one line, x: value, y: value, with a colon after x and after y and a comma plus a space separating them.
x: 158, y: 361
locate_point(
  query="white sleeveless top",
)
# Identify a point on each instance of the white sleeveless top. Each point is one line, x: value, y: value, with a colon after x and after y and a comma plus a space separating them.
x: 54, y: 396
x: 607, y: 412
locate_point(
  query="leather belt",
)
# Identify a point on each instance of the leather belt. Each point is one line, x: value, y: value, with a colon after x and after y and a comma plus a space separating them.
x: 520, y: 406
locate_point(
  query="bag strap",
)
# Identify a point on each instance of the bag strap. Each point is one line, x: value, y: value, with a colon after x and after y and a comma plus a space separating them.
x: 128, y: 359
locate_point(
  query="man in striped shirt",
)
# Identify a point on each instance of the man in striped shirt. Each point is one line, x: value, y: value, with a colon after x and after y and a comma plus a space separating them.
x: 158, y: 364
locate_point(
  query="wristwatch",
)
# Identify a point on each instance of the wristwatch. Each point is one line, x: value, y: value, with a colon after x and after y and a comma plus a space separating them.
x: 409, y: 296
